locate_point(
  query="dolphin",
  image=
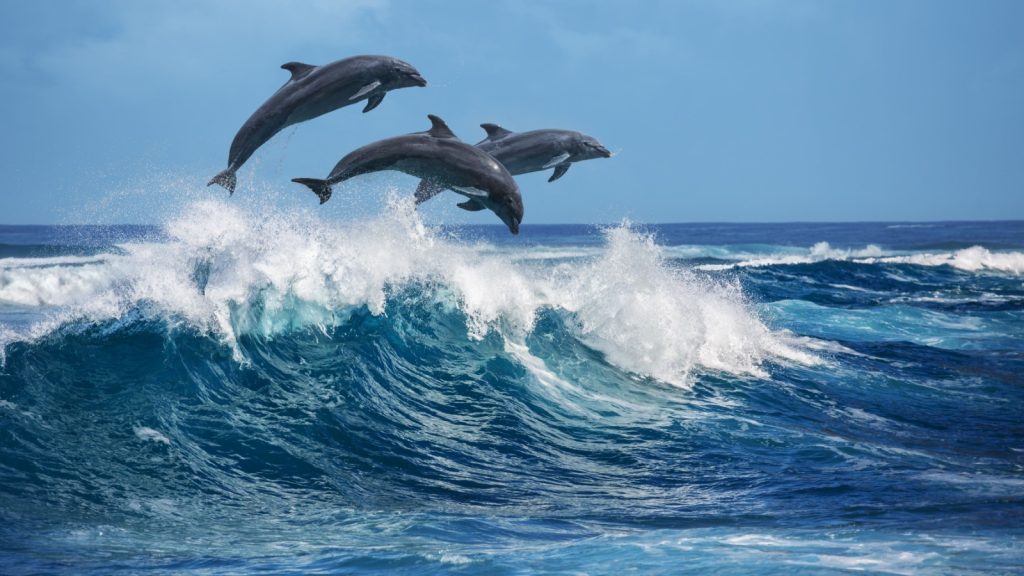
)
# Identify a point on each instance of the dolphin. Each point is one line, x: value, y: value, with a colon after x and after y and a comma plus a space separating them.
x: 436, y: 156
x: 313, y: 91
x: 532, y: 151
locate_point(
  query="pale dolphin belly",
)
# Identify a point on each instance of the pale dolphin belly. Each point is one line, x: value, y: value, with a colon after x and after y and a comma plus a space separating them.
x: 330, y: 102
x: 522, y: 160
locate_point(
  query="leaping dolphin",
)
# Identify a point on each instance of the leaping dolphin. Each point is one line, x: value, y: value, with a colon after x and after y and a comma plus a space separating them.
x: 532, y: 151
x: 313, y: 91
x: 437, y: 156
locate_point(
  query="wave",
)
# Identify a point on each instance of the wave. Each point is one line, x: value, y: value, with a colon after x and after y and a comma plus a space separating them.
x: 232, y: 272
x: 972, y: 259
x: 820, y: 252
x: 10, y: 252
x: 418, y: 393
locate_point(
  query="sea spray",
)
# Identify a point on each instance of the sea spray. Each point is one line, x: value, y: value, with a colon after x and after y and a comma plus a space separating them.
x: 231, y: 270
x: 663, y: 321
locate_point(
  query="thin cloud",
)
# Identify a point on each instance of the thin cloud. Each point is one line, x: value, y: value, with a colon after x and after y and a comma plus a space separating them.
x: 168, y: 43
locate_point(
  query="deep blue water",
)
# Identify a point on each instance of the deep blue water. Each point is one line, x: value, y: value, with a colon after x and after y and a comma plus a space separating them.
x: 234, y: 392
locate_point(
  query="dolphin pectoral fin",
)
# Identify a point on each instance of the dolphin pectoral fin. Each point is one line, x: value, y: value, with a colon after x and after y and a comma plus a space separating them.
x: 373, y: 101
x: 426, y: 190
x: 365, y: 90
x: 320, y: 187
x: 225, y: 178
x: 556, y: 160
x: 560, y: 171
x: 471, y: 206
x: 298, y: 69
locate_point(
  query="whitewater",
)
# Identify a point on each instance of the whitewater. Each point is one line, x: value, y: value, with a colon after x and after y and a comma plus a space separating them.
x: 246, y: 389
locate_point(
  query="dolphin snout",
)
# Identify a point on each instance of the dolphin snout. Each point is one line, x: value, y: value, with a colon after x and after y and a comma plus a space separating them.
x: 419, y: 80
x: 604, y: 152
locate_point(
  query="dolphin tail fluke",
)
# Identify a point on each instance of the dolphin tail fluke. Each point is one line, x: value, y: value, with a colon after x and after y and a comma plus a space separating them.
x: 226, y: 179
x: 320, y: 187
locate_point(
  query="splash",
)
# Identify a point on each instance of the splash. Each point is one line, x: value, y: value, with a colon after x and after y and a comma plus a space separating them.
x: 664, y: 322
x: 229, y: 270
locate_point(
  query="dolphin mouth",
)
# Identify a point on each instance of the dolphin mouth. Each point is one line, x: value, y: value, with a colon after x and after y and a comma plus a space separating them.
x: 418, y: 80
x: 604, y: 152
x: 513, y: 227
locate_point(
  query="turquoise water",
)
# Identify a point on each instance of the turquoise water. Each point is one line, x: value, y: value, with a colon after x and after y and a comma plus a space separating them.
x: 236, y: 391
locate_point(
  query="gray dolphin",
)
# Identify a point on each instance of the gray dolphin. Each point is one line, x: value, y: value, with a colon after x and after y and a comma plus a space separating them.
x: 532, y: 151
x: 313, y: 91
x: 440, y: 158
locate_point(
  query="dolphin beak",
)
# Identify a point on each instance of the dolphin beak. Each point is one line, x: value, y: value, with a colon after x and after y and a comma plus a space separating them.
x: 604, y: 152
x: 513, y: 227
x: 419, y: 80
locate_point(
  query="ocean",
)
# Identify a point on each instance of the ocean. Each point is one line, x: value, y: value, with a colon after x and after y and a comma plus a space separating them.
x: 246, y: 391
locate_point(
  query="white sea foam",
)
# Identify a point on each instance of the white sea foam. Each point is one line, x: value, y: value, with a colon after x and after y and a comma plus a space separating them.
x: 843, y: 554
x: 271, y: 272
x: 55, y: 285
x: 150, y: 435
x: 9, y: 263
x: 819, y: 252
x: 663, y: 322
x: 974, y: 259
x: 541, y: 252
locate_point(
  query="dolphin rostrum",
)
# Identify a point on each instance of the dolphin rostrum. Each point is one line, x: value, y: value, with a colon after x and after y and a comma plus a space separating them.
x: 313, y: 91
x: 532, y: 151
x: 437, y: 156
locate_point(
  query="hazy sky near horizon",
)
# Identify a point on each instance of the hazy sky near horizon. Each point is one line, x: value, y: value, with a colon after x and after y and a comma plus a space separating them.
x: 744, y: 111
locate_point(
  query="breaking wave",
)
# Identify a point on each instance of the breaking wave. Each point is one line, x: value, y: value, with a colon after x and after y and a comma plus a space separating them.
x: 972, y: 259
x: 231, y: 272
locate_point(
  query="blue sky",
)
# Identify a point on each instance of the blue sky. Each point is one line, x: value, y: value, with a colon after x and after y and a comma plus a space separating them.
x: 756, y: 111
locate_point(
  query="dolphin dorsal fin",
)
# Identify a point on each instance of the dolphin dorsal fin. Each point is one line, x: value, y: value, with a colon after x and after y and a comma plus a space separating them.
x: 494, y: 132
x: 298, y: 69
x: 439, y: 129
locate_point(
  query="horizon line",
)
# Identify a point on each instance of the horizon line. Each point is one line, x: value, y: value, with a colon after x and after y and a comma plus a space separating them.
x: 624, y: 220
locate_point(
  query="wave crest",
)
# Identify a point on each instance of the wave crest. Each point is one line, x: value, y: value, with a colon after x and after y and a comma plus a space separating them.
x: 973, y: 259
x: 230, y: 271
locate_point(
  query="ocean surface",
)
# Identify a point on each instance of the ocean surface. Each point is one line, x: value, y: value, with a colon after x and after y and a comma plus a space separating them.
x: 237, y: 391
